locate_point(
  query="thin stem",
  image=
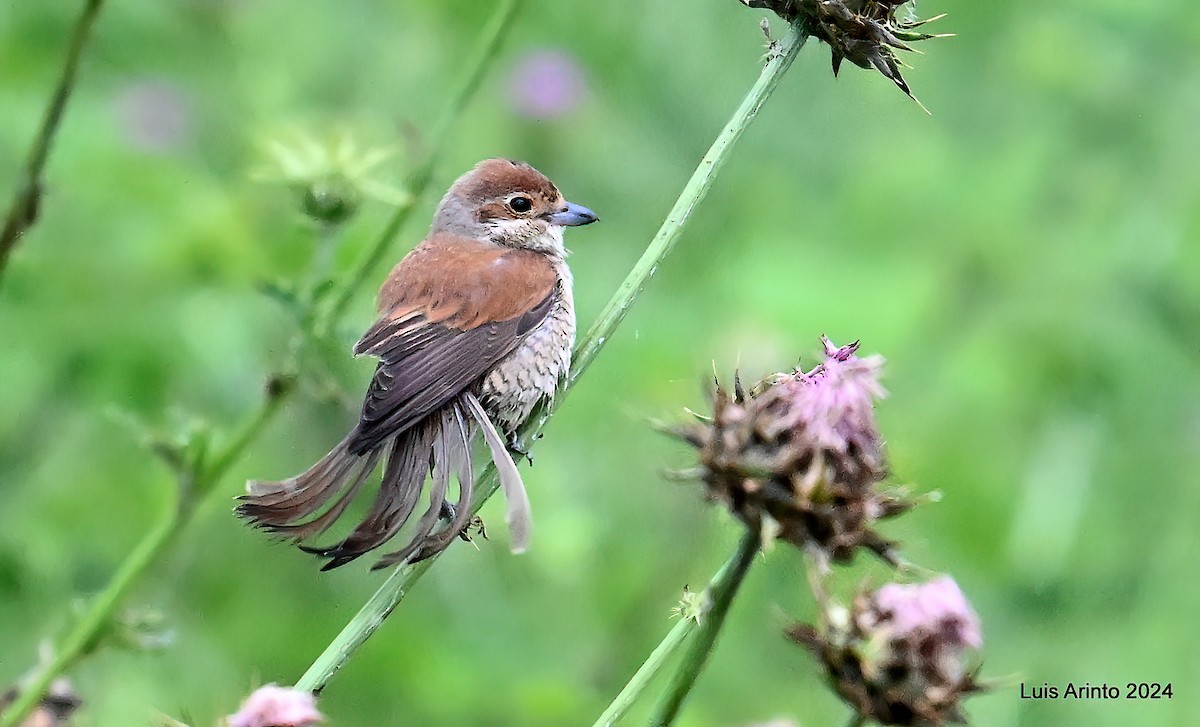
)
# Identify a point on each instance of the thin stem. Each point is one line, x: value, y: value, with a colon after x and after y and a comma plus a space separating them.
x: 722, y: 582
x: 279, y: 388
x: 99, y: 614
x: 368, y: 619
x: 701, y: 646
x: 493, y: 36
x: 397, y: 585
x: 23, y: 212
x: 697, y: 188
x: 646, y: 672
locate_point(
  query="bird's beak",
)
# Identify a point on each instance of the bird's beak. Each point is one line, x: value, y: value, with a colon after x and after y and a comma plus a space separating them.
x: 573, y: 216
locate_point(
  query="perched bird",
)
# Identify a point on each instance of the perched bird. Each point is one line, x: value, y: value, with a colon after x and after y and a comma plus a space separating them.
x: 475, y: 329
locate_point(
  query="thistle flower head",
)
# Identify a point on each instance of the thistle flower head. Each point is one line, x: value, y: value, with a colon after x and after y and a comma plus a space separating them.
x: 275, y: 706
x: 865, y: 32
x: 901, y: 655
x: 800, y: 455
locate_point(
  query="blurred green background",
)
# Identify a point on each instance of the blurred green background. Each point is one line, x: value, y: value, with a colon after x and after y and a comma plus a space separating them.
x: 1026, y: 259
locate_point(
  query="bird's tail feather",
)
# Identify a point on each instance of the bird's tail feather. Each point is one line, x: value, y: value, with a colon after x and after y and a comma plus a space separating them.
x: 451, y: 456
x: 440, y: 445
x: 281, y: 507
x: 518, y: 515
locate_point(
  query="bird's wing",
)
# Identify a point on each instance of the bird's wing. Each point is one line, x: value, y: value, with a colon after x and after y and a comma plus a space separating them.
x: 452, y: 309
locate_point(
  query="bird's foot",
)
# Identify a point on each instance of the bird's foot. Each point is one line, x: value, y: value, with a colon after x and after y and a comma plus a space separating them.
x: 473, y: 529
x: 521, y: 448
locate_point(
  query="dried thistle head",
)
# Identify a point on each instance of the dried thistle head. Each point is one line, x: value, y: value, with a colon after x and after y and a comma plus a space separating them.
x: 799, y: 456
x: 901, y: 655
x: 865, y: 32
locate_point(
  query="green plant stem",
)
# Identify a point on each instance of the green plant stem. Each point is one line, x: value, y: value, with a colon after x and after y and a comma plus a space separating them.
x: 364, y: 623
x: 701, y: 646
x: 90, y: 628
x: 719, y: 589
x: 493, y: 36
x: 697, y: 188
x: 99, y: 614
x: 279, y: 388
x: 398, y: 583
x: 23, y: 212
x: 647, y: 671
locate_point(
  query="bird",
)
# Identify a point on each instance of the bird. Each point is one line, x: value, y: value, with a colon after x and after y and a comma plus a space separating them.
x: 474, y: 331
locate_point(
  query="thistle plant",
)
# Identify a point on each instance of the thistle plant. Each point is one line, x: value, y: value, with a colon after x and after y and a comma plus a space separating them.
x: 330, y: 176
x: 799, y: 458
x: 275, y: 706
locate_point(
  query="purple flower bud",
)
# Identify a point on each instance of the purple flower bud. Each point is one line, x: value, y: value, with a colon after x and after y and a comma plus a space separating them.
x: 546, y: 84
x: 275, y: 706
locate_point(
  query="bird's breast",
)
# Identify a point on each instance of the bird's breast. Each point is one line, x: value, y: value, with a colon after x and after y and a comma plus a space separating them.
x: 532, y: 373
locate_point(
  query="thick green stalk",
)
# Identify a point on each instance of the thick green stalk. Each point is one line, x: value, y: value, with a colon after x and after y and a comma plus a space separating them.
x: 398, y: 583
x: 493, y: 36
x: 28, y: 192
x: 719, y: 589
x: 701, y: 646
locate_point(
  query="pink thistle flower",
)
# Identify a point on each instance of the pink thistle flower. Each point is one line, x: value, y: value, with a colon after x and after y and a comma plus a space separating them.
x: 799, y: 457
x: 937, y: 607
x: 275, y: 706
x: 901, y: 655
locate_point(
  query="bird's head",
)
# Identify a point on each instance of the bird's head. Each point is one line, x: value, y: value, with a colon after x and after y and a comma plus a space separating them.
x: 512, y: 204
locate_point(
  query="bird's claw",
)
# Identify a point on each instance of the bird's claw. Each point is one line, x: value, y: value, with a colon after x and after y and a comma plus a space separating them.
x: 521, y: 449
x: 474, y: 528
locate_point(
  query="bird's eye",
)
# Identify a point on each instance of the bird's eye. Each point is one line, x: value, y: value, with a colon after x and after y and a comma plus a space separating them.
x: 520, y: 204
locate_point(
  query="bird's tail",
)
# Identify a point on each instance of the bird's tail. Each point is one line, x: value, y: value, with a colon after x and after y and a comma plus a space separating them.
x: 439, y: 445
x: 287, y: 507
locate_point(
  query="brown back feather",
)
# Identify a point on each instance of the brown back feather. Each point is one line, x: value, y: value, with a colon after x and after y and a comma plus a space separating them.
x: 464, y: 283
x: 452, y: 309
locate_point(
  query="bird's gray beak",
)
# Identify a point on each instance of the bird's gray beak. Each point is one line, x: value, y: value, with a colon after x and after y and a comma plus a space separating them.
x: 574, y: 216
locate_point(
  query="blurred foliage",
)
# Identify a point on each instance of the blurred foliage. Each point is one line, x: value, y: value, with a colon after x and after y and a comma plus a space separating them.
x: 1025, y: 258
